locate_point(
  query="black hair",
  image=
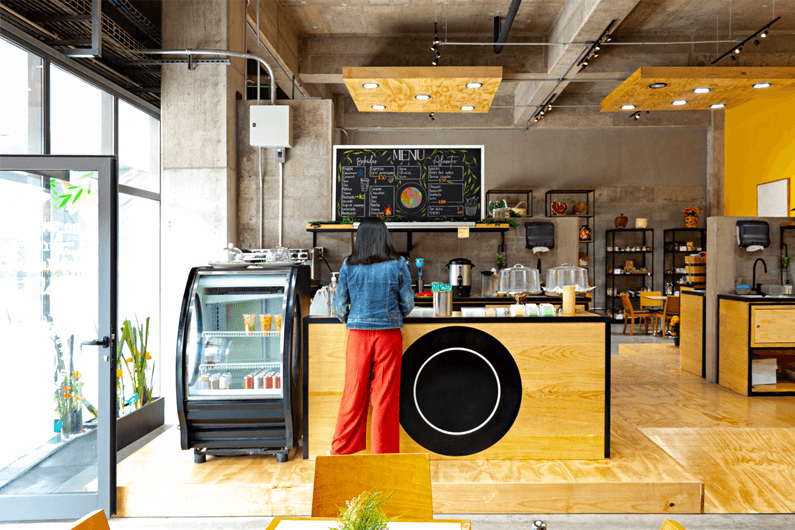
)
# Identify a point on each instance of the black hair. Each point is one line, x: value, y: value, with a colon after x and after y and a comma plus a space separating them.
x: 373, y: 243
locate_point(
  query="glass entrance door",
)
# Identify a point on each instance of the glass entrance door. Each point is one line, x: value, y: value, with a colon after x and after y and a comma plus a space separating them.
x: 58, y: 247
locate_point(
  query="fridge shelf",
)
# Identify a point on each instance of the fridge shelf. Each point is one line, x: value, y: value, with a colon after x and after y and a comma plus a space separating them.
x: 231, y: 367
x: 238, y: 334
x: 237, y: 392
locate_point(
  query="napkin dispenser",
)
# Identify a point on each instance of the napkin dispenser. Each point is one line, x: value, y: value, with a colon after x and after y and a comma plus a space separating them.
x: 753, y: 233
x: 539, y: 234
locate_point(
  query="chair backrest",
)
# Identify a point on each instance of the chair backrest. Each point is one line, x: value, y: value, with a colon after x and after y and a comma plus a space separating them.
x: 96, y: 520
x: 671, y: 304
x: 407, y: 477
x: 671, y: 525
x: 627, y: 304
x: 645, y: 302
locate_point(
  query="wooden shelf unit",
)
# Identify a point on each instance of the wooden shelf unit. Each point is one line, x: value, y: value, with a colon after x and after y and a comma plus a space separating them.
x: 643, y: 237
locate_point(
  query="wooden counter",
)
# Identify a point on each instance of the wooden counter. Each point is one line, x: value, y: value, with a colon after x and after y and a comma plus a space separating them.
x: 752, y: 328
x: 692, y: 331
x: 564, y: 368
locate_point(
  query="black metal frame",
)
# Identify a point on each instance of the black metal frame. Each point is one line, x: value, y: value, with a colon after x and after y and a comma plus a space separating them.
x: 75, y: 505
x: 226, y: 427
x: 609, y: 276
x: 674, y: 253
x: 527, y: 193
x: 590, y: 200
x: 464, y: 321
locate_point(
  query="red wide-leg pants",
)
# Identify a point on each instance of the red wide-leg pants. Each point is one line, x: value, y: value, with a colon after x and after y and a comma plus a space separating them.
x: 372, y: 369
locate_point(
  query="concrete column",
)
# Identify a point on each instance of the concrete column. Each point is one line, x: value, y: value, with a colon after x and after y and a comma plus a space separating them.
x: 715, y: 162
x: 198, y: 155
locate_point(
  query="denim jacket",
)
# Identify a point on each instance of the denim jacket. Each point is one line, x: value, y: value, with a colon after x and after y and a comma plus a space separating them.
x: 375, y: 296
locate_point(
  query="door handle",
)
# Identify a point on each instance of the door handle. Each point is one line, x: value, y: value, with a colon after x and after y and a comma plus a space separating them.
x: 104, y: 342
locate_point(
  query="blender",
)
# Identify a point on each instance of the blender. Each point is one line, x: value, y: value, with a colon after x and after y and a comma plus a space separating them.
x: 419, y: 262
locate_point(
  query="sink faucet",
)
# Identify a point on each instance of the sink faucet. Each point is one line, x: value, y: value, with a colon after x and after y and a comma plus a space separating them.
x: 758, y: 286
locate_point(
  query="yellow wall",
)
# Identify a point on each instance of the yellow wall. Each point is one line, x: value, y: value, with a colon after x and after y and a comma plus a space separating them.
x: 760, y: 147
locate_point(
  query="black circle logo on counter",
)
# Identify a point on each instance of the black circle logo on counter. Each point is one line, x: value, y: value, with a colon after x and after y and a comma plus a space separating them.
x: 460, y: 391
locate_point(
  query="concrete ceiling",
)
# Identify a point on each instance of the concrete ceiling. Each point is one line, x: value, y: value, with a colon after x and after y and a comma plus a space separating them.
x: 330, y: 35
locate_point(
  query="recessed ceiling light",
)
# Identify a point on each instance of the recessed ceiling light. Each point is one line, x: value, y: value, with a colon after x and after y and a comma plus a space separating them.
x: 679, y: 102
x: 658, y: 85
x: 370, y: 85
x: 717, y: 106
x: 379, y: 107
x: 422, y: 96
x: 467, y: 107
x: 762, y: 85
x: 701, y: 90
x: 474, y: 84
x: 627, y: 107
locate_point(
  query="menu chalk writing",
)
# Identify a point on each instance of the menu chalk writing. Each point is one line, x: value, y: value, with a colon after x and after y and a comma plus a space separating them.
x: 409, y: 183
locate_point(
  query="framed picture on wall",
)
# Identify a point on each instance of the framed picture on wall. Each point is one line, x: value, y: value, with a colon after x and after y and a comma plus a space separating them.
x: 773, y: 198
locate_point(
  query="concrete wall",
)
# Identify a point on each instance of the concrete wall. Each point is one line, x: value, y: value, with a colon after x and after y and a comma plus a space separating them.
x: 653, y: 173
x: 727, y: 263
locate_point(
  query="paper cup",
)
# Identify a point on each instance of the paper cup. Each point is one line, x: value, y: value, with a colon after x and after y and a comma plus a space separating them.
x: 278, y: 320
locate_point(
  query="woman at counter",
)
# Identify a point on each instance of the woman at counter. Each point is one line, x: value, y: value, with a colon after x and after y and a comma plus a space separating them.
x: 373, y: 296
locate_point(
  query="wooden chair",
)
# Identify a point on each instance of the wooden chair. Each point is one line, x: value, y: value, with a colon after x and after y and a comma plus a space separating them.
x: 671, y: 309
x: 653, y: 306
x: 671, y: 525
x: 96, y: 520
x: 630, y: 314
x: 339, y: 479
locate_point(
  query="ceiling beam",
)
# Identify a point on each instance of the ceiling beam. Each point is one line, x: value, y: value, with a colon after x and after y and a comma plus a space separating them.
x: 578, y: 21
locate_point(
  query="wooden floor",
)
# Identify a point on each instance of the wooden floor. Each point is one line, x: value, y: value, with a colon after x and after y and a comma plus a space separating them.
x: 679, y: 445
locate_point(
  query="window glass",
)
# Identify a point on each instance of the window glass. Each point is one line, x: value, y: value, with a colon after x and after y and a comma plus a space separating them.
x: 139, y: 148
x: 81, y: 116
x: 20, y: 97
x: 139, y: 283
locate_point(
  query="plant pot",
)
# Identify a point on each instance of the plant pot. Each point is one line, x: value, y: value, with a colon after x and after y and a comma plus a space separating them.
x: 139, y: 423
x: 77, y: 420
x: 676, y: 341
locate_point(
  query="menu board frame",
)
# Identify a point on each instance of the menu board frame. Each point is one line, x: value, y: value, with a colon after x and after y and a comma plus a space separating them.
x: 394, y: 164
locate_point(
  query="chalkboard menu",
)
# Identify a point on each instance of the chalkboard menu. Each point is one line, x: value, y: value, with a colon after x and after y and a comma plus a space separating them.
x: 411, y: 183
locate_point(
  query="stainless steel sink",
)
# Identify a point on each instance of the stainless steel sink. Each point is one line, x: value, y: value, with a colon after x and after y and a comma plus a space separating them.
x: 771, y: 290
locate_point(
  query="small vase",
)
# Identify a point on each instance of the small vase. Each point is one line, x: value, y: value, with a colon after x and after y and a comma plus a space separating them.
x: 621, y: 221
x: 77, y: 421
x: 676, y: 340
x: 691, y: 221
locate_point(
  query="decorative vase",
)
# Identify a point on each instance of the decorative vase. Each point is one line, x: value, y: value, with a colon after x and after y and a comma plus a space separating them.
x: 77, y: 420
x: 676, y: 340
x: 691, y: 221
x: 558, y: 208
x: 621, y: 221
x: 585, y: 233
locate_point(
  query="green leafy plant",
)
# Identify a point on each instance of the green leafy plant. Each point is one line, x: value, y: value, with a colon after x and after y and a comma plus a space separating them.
x: 501, y: 260
x: 364, y: 513
x: 70, y: 193
x: 786, y: 260
x: 137, y: 364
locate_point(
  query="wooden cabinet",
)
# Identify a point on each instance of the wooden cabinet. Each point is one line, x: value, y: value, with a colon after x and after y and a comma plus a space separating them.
x: 692, y: 313
x: 773, y: 326
x: 755, y: 330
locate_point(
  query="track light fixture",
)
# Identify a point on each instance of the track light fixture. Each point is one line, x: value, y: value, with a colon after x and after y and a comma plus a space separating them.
x: 543, y: 109
x: 636, y: 115
x: 435, y: 46
x: 752, y: 38
x: 593, y: 51
x: 431, y: 116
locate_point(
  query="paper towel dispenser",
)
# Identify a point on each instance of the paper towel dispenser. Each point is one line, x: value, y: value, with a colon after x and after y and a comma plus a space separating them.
x: 540, y: 234
x: 753, y: 233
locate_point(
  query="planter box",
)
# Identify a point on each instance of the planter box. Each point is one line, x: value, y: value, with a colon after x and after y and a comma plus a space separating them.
x: 139, y: 423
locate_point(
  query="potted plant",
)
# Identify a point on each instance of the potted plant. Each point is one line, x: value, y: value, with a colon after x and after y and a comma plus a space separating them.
x: 364, y: 513
x: 675, y: 329
x: 786, y: 263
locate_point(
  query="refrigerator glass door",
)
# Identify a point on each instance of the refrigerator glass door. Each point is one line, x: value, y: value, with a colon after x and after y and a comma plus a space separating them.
x: 234, y: 345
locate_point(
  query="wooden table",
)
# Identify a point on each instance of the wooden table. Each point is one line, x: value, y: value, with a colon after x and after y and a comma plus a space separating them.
x: 323, y: 523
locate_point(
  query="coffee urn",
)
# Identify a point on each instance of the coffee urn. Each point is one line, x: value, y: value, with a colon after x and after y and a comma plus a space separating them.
x: 460, y: 276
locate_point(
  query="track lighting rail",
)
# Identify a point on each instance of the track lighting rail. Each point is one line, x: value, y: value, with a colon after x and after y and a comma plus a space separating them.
x: 738, y: 48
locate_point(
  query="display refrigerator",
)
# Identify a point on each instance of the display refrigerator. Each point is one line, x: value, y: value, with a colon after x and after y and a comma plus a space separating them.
x: 239, y: 359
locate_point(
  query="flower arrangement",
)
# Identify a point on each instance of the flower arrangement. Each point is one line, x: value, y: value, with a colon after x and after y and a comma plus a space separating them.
x: 137, y: 365
x: 675, y: 329
x: 691, y: 217
x: 364, y: 513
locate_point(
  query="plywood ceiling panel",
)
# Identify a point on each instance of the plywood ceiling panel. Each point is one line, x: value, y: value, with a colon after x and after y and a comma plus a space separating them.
x: 730, y: 86
x: 397, y: 87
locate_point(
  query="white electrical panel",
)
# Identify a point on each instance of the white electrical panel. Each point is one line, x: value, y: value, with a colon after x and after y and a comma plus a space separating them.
x: 271, y: 126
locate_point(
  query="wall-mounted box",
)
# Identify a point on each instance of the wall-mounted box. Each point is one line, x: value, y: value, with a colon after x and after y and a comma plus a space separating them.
x: 271, y: 126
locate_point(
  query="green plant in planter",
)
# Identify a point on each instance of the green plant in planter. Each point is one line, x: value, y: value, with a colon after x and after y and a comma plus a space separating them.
x: 364, y: 513
x: 137, y: 363
x: 786, y: 260
x: 501, y: 261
